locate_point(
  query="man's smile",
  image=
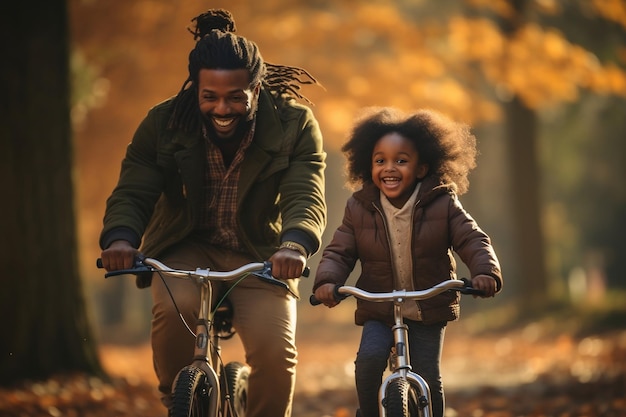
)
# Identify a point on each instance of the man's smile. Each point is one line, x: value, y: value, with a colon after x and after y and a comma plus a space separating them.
x: 224, y: 122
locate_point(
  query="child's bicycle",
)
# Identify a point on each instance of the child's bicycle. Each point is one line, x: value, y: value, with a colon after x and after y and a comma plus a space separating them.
x: 207, y: 387
x: 404, y: 393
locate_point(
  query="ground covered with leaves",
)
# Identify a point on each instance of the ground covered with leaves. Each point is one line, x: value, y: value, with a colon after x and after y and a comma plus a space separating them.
x: 531, y: 370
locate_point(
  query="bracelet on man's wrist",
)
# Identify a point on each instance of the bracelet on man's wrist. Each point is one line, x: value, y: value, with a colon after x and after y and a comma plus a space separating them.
x: 294, y: 246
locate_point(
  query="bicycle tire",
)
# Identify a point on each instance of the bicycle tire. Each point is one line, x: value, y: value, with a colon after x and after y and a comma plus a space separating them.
x: 191, y: 394
x: 401, y: 399
x: 236, y: 376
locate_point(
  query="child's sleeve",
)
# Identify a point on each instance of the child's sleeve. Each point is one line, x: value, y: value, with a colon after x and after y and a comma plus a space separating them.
x: 472, y: 244
x: 340, y: 255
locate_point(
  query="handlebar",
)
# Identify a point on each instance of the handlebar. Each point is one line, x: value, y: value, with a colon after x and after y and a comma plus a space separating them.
x: 262, y: 270
x: 464, y: 286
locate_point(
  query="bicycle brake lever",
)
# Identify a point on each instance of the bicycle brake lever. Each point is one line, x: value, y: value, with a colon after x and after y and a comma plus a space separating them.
x: 138, y: 268
x: 266, y: 275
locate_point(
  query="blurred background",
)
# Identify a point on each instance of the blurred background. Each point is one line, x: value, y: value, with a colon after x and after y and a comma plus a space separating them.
x: 541, y: 82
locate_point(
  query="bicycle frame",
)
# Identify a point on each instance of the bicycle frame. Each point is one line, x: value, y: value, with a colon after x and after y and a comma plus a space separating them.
x: 206, y: 357
x: 207, y: 345
x: 403, y: 369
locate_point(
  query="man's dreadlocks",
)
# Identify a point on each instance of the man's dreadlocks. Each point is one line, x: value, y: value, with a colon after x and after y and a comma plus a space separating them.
x: 218, y: 47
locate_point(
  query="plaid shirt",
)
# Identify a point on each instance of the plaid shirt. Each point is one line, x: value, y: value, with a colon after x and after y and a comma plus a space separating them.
x: 219, y: 212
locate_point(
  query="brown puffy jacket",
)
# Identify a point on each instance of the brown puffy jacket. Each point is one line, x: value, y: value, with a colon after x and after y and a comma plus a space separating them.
x: 440, y: 225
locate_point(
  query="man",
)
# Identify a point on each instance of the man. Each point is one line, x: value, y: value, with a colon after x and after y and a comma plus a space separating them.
x: 229, y: 171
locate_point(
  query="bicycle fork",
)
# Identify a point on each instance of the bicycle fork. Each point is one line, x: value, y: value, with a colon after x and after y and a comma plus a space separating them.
x: 202, y: 349
x: 403, y: 369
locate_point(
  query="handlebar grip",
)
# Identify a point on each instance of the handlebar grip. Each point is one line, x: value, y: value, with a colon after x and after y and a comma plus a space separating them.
x: 468, y: 288
x: 472, y: 291
x: 336, y: 294
x: 314, y: 301
x: 138, y: 268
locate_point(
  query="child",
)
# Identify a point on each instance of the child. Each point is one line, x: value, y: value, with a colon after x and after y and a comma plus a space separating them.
x: 402, y: 226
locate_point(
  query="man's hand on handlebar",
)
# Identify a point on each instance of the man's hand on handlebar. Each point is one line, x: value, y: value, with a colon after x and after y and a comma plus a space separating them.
x: 485, y: 283
x: 287, y: 263
x: 119, y: 255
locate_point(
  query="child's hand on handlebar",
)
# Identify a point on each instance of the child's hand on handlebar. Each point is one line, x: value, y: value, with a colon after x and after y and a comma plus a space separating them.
x: 326, y: 294
x: 287, y: 264
x: 485, y: 283
x: 119, y: 255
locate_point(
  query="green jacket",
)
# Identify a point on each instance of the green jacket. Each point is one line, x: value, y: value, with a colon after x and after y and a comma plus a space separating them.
x: 281, y: 186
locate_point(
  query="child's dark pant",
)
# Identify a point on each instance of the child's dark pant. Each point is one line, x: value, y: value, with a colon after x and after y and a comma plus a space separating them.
x: 425, y: 343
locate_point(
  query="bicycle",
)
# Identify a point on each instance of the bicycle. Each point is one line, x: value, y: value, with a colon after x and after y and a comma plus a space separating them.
x: 207, y: 387
x: 403, y: 393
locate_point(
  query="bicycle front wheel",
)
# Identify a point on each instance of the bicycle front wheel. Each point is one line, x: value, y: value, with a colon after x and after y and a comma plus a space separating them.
x: 401, y: 399
x: 191, y: 394
x: 236, y: 380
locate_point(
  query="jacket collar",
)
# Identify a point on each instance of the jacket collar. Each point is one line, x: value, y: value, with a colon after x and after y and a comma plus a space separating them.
x: 268, y: 124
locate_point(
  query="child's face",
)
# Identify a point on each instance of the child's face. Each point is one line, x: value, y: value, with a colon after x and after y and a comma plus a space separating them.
x: 396, y: 167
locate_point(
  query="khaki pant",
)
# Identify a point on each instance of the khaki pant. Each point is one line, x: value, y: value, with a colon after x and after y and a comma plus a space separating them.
x: 264, y: 318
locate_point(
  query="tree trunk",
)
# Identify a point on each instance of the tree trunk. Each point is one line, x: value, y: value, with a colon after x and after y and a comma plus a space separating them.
x: 44, y: 323
x: 521, y: 134
x: 524, y: 172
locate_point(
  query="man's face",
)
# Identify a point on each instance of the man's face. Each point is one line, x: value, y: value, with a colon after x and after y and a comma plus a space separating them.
x: 226, y: 101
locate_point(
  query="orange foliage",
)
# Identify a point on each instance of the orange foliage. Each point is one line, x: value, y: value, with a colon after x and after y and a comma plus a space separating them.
x: 475, y: 39
x: 543, y: 68
x: 614, y: 10
x: 500, y: 7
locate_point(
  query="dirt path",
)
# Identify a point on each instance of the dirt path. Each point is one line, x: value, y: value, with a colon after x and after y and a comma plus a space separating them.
x: 529, y: 371
x: 525, y: 371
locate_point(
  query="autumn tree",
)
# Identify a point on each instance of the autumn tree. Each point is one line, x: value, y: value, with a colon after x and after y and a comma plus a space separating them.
x: 44, y: 322
x: 521, y: 134
x: 552, y: 54
x: 481, y: 61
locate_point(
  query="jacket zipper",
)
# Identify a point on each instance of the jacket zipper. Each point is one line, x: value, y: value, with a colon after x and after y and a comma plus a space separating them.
x: 392, y: 263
